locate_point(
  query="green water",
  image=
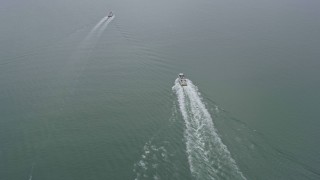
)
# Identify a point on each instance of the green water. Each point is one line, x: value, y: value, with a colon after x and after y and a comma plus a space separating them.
x: 81, y: 99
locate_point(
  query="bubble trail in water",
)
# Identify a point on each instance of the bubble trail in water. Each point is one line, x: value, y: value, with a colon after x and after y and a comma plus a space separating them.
x: 96, y: 27
x: 93, y: 36
x: 30, y: 176
x: 99, y: 23
x: 208, y: 157
x: 104, y: 26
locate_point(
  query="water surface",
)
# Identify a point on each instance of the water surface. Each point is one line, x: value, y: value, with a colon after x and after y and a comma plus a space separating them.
x: 83, y: 96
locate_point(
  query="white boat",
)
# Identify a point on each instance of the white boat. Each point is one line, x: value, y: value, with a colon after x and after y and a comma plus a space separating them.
x: 182, y: 80
x: 110, y: 14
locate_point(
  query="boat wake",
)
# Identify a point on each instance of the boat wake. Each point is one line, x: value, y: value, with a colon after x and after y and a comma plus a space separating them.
x: 161, y: 155
x: 208, y: 157
x: 96, y: 31
x: 153, y: 159
x: 98, y: 25
x: 104, y: 26
x: 30, y: 176
x: 82, y: 55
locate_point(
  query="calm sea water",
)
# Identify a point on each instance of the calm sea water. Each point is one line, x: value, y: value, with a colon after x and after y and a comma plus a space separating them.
x: 83, y: 96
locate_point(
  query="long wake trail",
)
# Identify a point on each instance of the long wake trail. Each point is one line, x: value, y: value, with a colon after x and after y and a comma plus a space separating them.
x: 208, y: 157
x: 80, y: 58
x: 88, y: 44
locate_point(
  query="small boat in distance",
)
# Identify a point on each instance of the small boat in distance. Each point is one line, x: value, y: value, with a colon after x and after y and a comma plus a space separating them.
x: 182, y: 80
x: 110, y: 14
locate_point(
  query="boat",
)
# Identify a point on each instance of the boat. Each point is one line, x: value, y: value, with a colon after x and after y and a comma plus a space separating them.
x: 182, y: 80
x: 110, y: 14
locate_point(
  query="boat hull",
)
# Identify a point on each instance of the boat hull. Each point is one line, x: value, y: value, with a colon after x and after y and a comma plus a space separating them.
x: 110, y: 14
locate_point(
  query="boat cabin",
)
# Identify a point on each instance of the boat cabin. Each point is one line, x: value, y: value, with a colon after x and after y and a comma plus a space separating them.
x: 181, y: 76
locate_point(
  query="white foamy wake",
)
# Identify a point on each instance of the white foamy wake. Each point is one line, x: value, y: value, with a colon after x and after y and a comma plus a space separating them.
x: 78, y: 61
x: 157, y: 159
x: 151, y: 162
x: 208, y: 157
x: 98, y: 24
x: 91, y: 39
x: 104, y: 26
x: 30, y: 176
x: 94, y: 30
